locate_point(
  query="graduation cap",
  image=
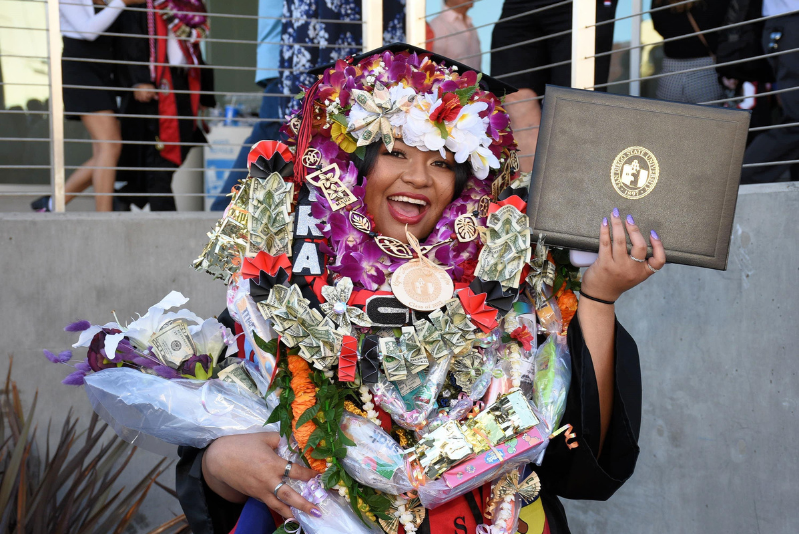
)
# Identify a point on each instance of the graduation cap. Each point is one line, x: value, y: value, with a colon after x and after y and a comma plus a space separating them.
x: 487, y: 83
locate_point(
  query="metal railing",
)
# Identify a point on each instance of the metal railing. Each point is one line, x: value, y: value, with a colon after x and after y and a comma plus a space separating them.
x: 63, y: 139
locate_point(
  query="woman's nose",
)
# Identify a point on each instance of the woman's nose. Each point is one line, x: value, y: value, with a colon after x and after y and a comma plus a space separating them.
x: 417, y: 174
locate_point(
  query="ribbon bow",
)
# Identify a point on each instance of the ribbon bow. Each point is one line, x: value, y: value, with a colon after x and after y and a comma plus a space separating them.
x: 251, y: 267
x: 268, y: 157
x: 509, y: 484
x: 396, y: 511
x: 379, y: 107
x: 481, y: 315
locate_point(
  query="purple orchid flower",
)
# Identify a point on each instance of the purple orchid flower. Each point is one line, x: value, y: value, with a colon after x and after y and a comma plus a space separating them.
x: 78, y: 326
x: 61, y: 357
x: 364, y: 268
x: 83, y: 367
x: 166, y: 372
x: 190, y: 365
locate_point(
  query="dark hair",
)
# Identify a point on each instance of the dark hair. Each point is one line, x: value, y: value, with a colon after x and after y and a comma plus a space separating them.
x: 364, y: 166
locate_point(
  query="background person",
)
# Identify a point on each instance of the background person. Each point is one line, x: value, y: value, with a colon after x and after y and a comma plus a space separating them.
x: 267, y: 76
x: 526, y: 113
x: 696, y: 52
x: 778, y: 144
x: 465, y: 46
x: 168, y: 58
x: 82, y: 21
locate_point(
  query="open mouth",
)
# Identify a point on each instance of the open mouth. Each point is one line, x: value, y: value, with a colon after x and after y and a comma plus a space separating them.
x: 408, y: 209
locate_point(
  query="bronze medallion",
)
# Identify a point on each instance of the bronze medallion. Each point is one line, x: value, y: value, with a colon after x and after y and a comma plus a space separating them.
x: 421, y: 286
x: 634, y: 172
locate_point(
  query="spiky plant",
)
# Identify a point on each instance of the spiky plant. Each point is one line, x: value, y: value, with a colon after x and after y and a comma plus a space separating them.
x: 68, y: 491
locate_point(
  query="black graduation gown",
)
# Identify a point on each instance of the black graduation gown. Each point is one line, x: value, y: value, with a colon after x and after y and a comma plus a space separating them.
x: 570, y: 473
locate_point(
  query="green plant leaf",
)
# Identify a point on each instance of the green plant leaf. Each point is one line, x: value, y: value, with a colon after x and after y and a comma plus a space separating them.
x: 442, y: 129
x: 330, y: 477
x: 307, y: 415
x: 344, y: 440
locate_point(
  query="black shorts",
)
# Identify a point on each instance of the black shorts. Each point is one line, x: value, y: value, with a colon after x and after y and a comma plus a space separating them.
x: 89, y: 74
x: 521, y: 65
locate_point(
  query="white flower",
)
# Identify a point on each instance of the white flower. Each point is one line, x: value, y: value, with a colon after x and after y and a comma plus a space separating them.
x: 419, y: 130
x: 482, y: 160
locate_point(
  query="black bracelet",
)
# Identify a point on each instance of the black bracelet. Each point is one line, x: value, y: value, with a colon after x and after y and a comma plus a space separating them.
x: 601, y: 301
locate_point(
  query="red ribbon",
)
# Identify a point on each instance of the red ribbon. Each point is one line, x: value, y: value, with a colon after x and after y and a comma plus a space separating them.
x: 348, y: 359
x: 513, y: 200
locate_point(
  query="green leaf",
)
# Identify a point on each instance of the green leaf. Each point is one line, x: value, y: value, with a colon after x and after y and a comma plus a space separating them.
x: 330, y: 477
x: 321, y: 454
x: 344, y: 440
x: 275, y: 416
x: 340, y: 452
x: 270, y: 346
x: 307, y: 415
x: 330, y: 415
x: 442, y: 129
x: 465, y: 94
x: 361, y: 152
x: 340, y: 118
x: 316, y: 436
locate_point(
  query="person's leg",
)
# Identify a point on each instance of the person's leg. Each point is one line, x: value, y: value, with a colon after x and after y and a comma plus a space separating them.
x: 159, y: 181
x: 104, y: 128
x: 79, y: 180
x: 778, y: 144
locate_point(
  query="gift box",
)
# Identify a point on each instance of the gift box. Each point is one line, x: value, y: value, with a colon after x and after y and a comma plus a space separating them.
x: 493, y: 458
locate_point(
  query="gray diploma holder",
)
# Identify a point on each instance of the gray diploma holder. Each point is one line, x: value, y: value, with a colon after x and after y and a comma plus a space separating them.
x: 674, y: 167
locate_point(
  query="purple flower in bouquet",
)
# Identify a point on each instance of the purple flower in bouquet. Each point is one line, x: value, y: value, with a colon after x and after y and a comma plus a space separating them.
x: 78, y: 326
x: 74, y: 379
x: 96, y: 355
x: 198, y: 367
x: 61, y: 357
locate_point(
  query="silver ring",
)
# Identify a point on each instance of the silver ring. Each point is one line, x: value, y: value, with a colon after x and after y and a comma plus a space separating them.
x: 275, y: 491
x: 287, y: 469
x: 636, y: 259
x: 653, y: 269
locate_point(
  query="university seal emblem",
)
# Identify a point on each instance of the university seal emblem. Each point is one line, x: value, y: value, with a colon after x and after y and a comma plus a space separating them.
x: 634, y: 172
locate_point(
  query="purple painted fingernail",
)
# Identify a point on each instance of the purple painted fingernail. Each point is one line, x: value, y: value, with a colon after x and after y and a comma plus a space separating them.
x: 654, y: 235
x: 629, y: 218
x: 615, y: 213
x: 605, y: 221
x: 316, y: 512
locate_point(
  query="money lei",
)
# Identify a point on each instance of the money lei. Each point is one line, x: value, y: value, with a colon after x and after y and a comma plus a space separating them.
x: 269, y: 221
x: 380, y: 107
x: 228, y: 241
x: 506, y: 249
x: 337, y: 310
x: 300, y: 325
x: 446, y: 333
x: 543, y: 273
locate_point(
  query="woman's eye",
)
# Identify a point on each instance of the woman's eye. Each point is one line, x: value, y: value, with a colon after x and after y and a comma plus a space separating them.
x: 396, y: 154
x: 442, y: 164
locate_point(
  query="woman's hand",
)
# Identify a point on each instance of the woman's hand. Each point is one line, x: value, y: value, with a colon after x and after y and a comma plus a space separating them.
x: 144, y: 92
x: 614, y: 272
x: 235, y: 467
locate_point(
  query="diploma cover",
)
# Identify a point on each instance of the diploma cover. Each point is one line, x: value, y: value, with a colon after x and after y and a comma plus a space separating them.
x: 674, y: 167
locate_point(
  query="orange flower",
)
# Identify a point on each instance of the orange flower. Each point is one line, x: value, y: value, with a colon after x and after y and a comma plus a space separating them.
x: 305, y: 396
x: 568, y: 304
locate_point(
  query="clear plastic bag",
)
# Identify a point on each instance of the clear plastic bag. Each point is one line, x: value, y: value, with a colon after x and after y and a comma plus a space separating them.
x: 157, y: 414
x: 553, y: 371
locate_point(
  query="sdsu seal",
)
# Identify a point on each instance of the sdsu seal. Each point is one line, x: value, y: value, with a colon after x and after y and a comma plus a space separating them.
x: 634, y: 172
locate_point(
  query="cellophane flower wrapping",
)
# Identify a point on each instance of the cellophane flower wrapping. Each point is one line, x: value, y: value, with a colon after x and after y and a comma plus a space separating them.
x: 157, y: 414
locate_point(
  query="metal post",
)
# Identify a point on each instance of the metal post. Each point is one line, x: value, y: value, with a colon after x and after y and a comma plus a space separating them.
x: 584, y: 16
x: 56, y: 105
x: 415, y: 23
x: 372, y: 13
x: 635, y: 57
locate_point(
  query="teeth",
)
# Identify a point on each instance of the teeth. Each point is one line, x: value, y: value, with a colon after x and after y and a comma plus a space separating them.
x: 401, y: 198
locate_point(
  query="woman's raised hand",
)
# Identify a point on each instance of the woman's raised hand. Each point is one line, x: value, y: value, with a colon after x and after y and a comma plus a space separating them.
x: 246, y: 465
x: 615, y: 271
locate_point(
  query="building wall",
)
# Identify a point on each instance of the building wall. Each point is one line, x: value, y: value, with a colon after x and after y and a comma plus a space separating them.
x: 719, y: 441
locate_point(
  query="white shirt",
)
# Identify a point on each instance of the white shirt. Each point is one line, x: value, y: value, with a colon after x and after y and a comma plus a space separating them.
x: 779, y: 7
x: 464, y: 47
x: 79, y: 21
x: 174, y: 53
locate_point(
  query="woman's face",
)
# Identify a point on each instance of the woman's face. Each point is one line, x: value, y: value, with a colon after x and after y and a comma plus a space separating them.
x: 409, y: 187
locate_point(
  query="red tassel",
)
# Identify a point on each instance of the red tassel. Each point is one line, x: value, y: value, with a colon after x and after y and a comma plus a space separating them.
x: 304, y: 135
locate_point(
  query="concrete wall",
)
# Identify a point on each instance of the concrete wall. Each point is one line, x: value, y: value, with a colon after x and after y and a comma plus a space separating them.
x: 719, y: 355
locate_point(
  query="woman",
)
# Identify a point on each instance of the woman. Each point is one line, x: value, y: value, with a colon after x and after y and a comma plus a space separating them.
x: 687, y: 51
x: 416, y: 180
x: 82, y: 23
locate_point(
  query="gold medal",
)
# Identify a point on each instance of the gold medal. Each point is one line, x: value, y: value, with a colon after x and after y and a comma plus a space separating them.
x: 420, y: 284
x: 422, y: 287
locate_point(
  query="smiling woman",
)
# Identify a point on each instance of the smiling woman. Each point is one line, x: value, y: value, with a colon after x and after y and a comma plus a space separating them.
x: 408, y: 186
